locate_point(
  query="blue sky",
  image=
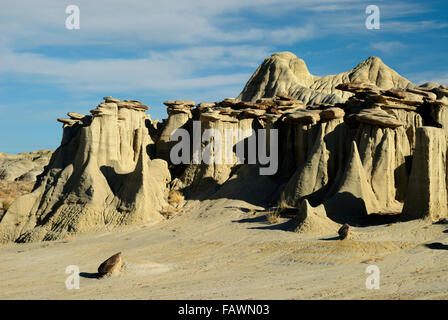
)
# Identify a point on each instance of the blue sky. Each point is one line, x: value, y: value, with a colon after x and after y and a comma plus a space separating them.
x: 203, y: 50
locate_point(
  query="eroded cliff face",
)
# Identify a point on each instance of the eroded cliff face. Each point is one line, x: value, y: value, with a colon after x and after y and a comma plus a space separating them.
x: 285, y: 73
x: 378, y: 147
x: 101, y: 176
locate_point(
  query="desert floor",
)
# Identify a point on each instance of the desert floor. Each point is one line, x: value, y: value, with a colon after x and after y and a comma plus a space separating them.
x: 219, y: 250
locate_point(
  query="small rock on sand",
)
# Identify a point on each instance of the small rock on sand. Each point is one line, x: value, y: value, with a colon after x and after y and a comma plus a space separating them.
x: 111, y: 266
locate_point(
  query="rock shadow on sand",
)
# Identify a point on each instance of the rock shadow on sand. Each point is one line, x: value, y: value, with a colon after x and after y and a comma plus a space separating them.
x: 289, y: 225
x: 437, y: 246
x: 89, y: 275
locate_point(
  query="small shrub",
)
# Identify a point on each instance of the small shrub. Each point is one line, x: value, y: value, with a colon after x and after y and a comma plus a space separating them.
x: 286, y: 210
x: 283, y: 205
x: 175, y: 197
x: 273, y: 217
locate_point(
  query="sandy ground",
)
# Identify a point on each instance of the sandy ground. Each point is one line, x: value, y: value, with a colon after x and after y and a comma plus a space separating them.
x: 219, y: 250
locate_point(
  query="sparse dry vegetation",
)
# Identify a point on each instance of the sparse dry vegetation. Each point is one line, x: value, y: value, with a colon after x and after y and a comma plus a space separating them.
x: 169, y: 212
x: 175, y: 198
x: 14, y: 189
x: 281, y: 210
x: 273, y: 216
x: 282, y: 204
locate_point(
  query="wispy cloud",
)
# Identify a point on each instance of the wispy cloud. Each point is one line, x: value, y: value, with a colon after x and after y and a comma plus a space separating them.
x: 440, y: 77
x: 172, y: 71
x: 388, y: 47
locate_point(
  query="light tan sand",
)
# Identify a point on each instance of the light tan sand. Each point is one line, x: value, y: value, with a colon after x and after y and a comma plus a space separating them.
x: 218, y: 250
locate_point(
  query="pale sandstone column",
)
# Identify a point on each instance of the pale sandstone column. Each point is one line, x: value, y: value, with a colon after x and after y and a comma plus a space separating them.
x: 426, y: 196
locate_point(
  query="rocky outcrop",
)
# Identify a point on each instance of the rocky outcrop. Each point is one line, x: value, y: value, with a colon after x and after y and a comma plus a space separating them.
x: 427, y: 192
x: 314, y: 220
x: 100, y: 177
x: 353, y: 197
x: 370, y: 175
x: 25, y: 166
x: 179, y: 114
x: 284, y: 73
x: 337, y: 148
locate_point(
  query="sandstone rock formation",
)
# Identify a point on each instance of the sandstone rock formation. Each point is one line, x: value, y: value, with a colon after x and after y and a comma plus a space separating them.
x: 427, y: 190
x: 25, y: 166
x: 314, y: 220
x: 284, y: 73
x: 362, y: 142
x: 101, y: 176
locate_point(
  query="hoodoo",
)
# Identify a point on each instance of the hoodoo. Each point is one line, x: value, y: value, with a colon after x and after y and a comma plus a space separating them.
x: 366, y: 141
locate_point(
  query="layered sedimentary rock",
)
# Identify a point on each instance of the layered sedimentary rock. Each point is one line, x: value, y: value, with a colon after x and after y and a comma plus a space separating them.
x: 179, y: 114
x: 338, y: 148
x: 101, y: 176
x: 284, y: 73
x: 427, y: 190
x: 25, y: 166
x: 358, y: 165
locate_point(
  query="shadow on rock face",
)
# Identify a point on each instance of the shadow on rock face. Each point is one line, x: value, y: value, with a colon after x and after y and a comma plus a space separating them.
x: 437, y: 246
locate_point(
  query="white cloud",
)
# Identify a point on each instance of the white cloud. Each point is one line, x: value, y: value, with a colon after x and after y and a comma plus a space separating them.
x: 174, y: 70
x: 188, y: 44
x: 388, y: 47
x: 27, y: 24
x: 440, y: 77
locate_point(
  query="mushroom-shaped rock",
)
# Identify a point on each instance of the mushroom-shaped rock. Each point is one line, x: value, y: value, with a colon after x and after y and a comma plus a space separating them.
x: 343, y: 231
x: 170, y: 103
x: 67, y: 121
x: 75, y: 115
x: 332, y: 113
x: 228, y: 102
x: 128, y: 104
x: 111, y: 99
x: 252, y: 113
x: 379, y: 117
x: 111, y: 266
x: 245, y: 105
x: 134, y: 101
x: 207, y: 104
x: 216, y: 116
x: 302, y: 116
